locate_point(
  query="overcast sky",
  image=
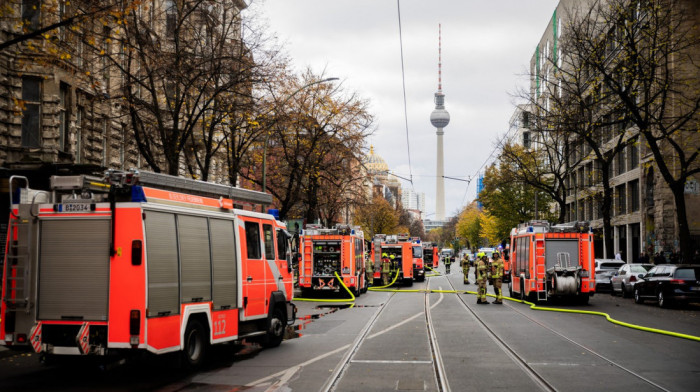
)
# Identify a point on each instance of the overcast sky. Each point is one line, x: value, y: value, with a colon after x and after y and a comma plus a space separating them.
x: 486, y: 49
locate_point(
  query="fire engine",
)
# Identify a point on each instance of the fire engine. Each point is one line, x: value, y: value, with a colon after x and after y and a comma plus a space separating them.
x: 328, y: 251
x: 142, y: 261
x: 552, y: 261
x: 430, y: 254
x: 402, y: 263
x: 418, y: 261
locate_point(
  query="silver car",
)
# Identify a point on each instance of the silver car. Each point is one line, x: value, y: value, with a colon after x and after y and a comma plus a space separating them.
x: 626, y: 277
x: 604, y: 270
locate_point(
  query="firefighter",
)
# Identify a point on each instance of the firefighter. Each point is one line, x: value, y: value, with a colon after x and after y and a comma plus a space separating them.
x: 369, y: 271
x: 481, y: 278
x: 386, y: 269
x: 497, y: 276
x: 448, y: 261
x: 465, y: 268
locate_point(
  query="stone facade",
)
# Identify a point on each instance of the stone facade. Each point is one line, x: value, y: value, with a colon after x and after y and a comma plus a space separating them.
x: 644, y: 215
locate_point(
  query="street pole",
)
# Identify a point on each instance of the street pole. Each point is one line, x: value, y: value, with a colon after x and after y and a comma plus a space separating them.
x: 267, y: 136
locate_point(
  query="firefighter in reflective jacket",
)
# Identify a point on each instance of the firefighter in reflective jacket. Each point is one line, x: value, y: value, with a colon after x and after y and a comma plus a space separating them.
x: 369, y: 271
x: 386, y: 268
x: 465, y: 268
x: 497, y: 276
x: 482, y: 270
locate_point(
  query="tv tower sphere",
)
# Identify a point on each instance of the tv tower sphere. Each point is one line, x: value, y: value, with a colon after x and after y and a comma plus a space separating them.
x: 439, y: 117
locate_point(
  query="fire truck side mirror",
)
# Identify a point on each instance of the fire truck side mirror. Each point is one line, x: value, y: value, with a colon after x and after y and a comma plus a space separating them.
x: 136, y: 252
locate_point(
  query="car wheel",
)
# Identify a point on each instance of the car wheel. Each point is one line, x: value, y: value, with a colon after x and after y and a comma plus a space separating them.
x: 661, y: 299
x: 625, y: 293
x: 637, y: 298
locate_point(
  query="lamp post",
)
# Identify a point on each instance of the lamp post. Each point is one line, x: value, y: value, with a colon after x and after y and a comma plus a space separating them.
x: 267, y: 136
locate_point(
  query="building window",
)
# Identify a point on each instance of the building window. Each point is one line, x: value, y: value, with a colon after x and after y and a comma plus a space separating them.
x: 105, y: 142
x: 526, y: 119
x: 621, y: 200
x: 63, y: 110
x: 31, y: 115
x: 633, y: 154
x: 620, y: 163
x: 31, y: 14
x: 80, y: 117
x: 526, y: 139
x: 633, y: 190
x: 122, y: 149
x: 170, y: 17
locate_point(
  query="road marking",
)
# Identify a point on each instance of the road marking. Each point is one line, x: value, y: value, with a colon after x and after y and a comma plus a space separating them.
x: 387, y: 361
x: 337, y: 350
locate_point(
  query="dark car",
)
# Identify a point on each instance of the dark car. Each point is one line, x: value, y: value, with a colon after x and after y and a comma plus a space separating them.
x: 604, y: 270
x: 669, y: 284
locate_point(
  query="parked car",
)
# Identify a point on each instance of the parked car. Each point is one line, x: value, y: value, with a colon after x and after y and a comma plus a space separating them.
x: 669, y: 284
x: 626, y: 277
x: 604, y: 270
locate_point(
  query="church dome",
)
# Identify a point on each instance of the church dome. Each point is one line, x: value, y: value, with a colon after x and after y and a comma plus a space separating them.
x: 375, y: 164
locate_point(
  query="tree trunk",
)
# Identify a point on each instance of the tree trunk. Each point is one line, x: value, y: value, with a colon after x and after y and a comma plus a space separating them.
x: 684, y: 241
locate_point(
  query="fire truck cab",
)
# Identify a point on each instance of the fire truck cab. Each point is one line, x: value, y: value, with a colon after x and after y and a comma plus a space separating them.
x: 142, y: 261
x: 326, y: 252
x: 552, y: 261
x: 402, y: 262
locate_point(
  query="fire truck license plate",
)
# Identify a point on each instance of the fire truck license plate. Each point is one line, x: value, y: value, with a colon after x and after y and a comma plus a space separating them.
x: 76, y: 207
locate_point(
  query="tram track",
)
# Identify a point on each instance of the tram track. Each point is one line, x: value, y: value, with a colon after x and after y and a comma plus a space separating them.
x: 436, y: 361
x: 339, y: 370
x: 536, y: 376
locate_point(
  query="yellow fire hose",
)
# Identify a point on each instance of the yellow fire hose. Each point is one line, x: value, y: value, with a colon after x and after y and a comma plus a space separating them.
x: 532, y: 306
x: 347, y: 301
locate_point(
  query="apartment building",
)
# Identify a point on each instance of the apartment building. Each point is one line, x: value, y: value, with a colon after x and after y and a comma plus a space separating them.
x: 643, y: 212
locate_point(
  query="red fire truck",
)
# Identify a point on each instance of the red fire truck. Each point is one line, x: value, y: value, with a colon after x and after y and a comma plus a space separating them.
x: 418, y: 262
x: 430, y: 255
x: 401, y: 263
x: 552, y: 261
x: 326, y: 252
x: 142, y: 261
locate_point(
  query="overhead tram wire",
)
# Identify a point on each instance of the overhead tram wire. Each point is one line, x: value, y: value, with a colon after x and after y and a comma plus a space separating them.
x: 403, y: 81
x: 484, y: 164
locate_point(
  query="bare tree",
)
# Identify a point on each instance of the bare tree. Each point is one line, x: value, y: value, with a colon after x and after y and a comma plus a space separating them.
x: 644, y: 56
x: 316, y: 129
x: 179, y: 64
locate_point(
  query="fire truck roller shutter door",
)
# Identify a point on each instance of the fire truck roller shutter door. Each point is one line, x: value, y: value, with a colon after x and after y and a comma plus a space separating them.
x: 224, y: 263
x: 195, y: 263
x: 161, y: 261
x: 74, y: 269
x: 554, y: 246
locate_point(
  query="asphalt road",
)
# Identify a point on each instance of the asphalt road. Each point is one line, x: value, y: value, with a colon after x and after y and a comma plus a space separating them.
x: 384, y: 343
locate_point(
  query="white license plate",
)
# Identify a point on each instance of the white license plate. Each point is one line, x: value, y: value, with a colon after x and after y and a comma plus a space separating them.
x: 76, y: 207
x: 695, y: 288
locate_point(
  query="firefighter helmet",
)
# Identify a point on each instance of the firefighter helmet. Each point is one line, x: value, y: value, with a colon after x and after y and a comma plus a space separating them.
x: 392, y: 257
x: 384, y: 255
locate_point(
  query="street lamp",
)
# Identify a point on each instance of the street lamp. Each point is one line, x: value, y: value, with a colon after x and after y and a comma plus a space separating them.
x: 267, y: 136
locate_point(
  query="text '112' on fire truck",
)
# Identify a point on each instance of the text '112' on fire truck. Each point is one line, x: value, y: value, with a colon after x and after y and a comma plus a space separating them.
x: 327, y: 252
x: 552, y: 261
x: 142, y: 262
x: 401, y: 262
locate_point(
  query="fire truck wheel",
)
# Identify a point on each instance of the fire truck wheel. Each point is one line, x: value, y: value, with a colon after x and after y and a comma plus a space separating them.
x: 195, y: 348
x: 275, y: 332
x: 510, y: 288
x: 408, y: 282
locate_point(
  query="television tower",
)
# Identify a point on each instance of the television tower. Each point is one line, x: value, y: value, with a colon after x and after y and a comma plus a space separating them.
x: 440, y: 118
